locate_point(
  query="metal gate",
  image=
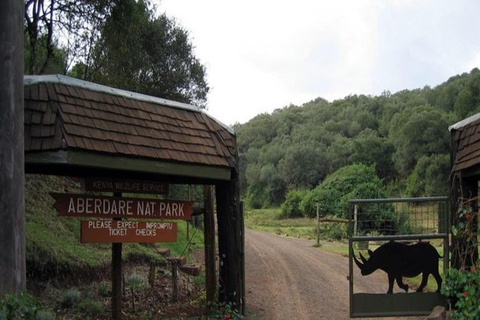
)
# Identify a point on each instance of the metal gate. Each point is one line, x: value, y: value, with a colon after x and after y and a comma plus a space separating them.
x: 396, y: 223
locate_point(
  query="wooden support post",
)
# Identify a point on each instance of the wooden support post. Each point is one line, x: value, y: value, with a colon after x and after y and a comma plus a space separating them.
x: 242, y: 257
x: 12, y: 225
x: 209, y: 239
x: 174, y: 263
x: 117, y: 276
x: 230, y: 245
x: 318, y: 224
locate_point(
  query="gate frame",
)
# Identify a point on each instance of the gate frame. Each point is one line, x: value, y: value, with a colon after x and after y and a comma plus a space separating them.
x: 388, y: 301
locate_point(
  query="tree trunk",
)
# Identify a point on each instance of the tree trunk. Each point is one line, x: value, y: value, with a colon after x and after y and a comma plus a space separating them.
x: 12, y: 218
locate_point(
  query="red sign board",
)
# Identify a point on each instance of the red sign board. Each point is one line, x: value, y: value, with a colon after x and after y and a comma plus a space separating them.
x: 80, y: 205
x: 128, y: 186
x: 113, y: 231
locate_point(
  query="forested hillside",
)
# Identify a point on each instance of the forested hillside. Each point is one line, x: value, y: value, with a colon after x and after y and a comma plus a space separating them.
x: 403, y: 136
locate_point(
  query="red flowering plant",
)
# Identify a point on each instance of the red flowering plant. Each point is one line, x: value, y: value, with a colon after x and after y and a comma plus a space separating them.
x: 463, y: 288
x: 462, y: 285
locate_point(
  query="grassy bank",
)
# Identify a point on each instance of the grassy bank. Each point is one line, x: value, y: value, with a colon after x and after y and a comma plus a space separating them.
x: 74, y: 279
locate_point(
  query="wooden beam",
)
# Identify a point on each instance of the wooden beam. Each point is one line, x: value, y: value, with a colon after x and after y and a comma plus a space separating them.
x: 12, y: 219
x: 99, y: 161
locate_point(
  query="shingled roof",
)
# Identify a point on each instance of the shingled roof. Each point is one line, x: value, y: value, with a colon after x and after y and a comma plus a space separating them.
x: 67, y: 114
x: 466, y: 143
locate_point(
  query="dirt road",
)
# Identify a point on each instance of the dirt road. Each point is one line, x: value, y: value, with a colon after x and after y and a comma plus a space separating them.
x: 288, y: 279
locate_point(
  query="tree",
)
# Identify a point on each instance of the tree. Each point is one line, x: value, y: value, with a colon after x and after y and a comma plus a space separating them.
x: 371, y: 149
x: 430, y: 176
x: 147, y: 54
x: 304, y: 165
x: 74, y: 20
x: 421, y: 131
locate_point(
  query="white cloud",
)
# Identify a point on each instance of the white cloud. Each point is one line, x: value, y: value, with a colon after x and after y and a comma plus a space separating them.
x: 263, y: 55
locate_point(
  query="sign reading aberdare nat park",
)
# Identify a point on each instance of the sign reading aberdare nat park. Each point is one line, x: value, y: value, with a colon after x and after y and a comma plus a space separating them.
x: 80, y: 205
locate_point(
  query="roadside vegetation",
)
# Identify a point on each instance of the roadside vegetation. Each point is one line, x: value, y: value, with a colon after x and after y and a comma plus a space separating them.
x: 70, y: 280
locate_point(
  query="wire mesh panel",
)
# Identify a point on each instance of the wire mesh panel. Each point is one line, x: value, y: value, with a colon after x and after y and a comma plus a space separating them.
x: 399, y: 239
x: 403, y: 217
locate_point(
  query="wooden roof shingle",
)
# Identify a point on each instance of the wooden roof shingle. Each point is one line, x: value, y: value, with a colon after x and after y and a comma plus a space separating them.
x: 466, y: 137
x: 63, y: 113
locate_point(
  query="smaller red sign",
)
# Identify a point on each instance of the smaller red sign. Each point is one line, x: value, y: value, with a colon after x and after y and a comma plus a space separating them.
x: 128, y: 186
x: 113, y: 231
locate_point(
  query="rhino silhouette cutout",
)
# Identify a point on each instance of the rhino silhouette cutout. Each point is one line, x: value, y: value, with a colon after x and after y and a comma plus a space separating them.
x: 402, y: 260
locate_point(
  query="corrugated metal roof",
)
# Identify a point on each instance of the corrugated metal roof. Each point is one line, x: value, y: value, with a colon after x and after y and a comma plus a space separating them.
x: 67, y: 113
x: 466, y: 135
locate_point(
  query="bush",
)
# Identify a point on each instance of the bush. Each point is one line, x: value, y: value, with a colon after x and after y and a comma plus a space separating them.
x: 70, y: 298
x: 291, y: 206
x: 461, y: 288
x: 336, y: 231
x: 356, y: 181
x: 90, y: 306
x: 21, y: 306
x: 45, y: 315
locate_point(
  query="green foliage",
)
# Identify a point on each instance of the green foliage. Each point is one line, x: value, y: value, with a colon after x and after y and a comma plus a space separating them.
x: 90, y: 306
x: 291, y: 206
x: 352, y: 182
x: 462, y: 283
x: 461, y: 287
x: 430, y: 176
x: 75, y: 22
x: 104, y: 289
x: 224, y: 311
x: 21, y: 306
x: 70, y: 298
x: 45, y: 315
x: 161, y: 63
x: 335, y: 231
x: 404, y: 136
x: 136, y: 281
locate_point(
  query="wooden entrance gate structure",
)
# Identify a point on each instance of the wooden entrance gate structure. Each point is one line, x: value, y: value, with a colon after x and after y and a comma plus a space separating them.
x: 81, y: 129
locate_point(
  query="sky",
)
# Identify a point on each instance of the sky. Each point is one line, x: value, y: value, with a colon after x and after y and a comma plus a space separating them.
x: 262, y: 55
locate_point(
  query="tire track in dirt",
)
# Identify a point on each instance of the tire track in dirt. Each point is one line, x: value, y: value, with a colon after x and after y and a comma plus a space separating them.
x: 289, y: 279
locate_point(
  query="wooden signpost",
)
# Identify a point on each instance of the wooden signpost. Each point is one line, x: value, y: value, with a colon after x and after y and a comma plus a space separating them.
x: 112, y: 229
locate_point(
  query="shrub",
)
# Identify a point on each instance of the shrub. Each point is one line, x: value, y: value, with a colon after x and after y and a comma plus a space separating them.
x: 70, y: 298
x: 45, y: 315
x: 21, y: 306
x: 104, y: 289
x: 224, y: 311
x: 90, y: 306
x: 291, y: 206
x: 461, y: 288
